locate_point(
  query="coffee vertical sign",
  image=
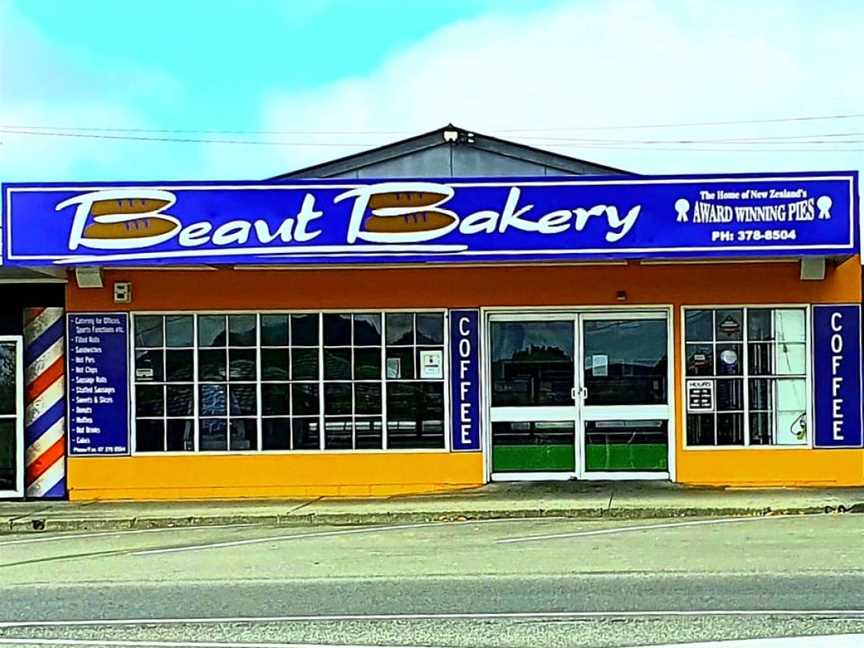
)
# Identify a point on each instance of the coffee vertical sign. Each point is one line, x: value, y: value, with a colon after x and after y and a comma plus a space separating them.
x: 837, y: 376
x: 98, y: 346
x: 465, y: 379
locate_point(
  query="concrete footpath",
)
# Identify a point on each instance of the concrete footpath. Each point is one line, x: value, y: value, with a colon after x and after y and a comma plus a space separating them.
x: 632, y: 500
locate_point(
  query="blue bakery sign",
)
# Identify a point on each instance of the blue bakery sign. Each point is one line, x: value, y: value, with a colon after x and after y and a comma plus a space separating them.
x: 431, y: 221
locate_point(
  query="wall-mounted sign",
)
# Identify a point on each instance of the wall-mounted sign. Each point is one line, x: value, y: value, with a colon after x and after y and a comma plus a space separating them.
x: 438, y: 221
x: 432, y: 364
x: 97, y: 346
x: 730, y: 327
x: 837, y: 376
x: 394, y: 368
x: 600, y: 365
x: 700, y: 396
x: 465, y: 379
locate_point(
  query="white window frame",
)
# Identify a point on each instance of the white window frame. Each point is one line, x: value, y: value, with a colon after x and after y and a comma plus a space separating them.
x: 577, y: 313
x: 320, y: 382
x: 18, y: 490
x: 808, y: 352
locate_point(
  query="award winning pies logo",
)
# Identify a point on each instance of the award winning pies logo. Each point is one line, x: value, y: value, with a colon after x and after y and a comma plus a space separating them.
x: 779, y: 206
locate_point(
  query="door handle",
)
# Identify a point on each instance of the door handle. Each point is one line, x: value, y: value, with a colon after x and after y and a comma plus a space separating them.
x: 577, y: 393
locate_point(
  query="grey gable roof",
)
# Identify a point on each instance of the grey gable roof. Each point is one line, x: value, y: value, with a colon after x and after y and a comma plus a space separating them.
x: 452, y: 152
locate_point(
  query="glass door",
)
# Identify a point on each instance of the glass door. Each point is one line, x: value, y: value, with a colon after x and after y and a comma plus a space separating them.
x: 624, y: 400
x: 532, y: 396
x: 11, y: 419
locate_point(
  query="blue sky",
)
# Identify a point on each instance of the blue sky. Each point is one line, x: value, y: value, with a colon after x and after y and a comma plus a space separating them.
x: 207, y: 64
x: 379, y: 70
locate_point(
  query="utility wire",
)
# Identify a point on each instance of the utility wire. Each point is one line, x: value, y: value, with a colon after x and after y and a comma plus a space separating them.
x: 194, y: 140
x: 775, y: 139
x: 183, y: 131
x: 168, y: 131
x: 711, y: 150
x: 689, y: 124
x: 768, y: 144
x: 680, y: 145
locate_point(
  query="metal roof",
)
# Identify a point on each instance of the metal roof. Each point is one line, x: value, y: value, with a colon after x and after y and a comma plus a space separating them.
x: 452, y: 151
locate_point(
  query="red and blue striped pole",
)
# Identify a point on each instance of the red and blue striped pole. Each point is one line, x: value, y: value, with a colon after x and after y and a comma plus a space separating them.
x: 44, y: 403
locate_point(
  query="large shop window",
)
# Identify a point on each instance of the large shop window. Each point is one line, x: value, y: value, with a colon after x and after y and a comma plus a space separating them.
x: 289, y: 381
x: 756, y: 361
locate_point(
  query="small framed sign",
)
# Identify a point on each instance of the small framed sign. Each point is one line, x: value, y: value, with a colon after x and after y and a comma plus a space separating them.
x: 700, y: 395
x: 394, y: 368
x: 600, y: 365
x: 432, y: 364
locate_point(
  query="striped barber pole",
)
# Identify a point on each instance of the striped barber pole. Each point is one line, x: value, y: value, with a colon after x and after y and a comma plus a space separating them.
x: 44, y: 403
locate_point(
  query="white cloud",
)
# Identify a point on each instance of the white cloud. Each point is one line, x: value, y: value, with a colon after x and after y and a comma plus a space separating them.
x: 577, y: 64
x: 41, y: 85
x: 40, y: 158
x: 598, y: 64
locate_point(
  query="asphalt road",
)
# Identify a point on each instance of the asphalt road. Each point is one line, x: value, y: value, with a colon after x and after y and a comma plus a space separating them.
x: 500, y: 583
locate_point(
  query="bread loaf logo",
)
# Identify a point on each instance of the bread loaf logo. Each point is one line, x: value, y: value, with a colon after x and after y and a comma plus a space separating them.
x: 121, y: 219
x: 399, y: 212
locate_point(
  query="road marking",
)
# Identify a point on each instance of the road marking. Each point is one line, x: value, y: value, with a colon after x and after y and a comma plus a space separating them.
x: 102, y: 534
x: 641, y: 527
x: 434, y: 616
x: 324, y: 534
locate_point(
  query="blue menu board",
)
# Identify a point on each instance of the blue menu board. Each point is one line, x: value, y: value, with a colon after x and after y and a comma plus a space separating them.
x: 97, y: 355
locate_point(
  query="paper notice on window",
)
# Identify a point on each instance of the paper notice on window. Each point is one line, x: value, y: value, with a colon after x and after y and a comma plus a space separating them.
x: 600, y: 365
x: 432, y: 365
x: 394, y: 367
x: 700, y: 395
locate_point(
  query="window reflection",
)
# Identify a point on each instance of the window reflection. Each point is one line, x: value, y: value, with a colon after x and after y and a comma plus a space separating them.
x: 532, y: 363
x: 625, y: 362
x: 626, y: 445
x: 770, y: 368
x: 287, y: 381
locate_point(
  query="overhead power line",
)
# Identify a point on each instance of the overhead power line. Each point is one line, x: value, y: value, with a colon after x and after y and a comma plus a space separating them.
x: 176, y: 131
x: 771, y: 140
x: 815, y: 142
x: 189, y: 131
x: 731, y: 122
x: 610, y: 147
x: 680, y: 145
x: 186, y: 140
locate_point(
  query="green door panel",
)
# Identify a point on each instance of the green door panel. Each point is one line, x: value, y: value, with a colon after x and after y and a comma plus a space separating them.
x: 533, y: 458
x: 627, y: 456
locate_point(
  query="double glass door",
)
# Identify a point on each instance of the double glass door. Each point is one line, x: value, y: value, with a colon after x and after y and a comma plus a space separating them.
x: 11, y: 419
x: 579, y: 395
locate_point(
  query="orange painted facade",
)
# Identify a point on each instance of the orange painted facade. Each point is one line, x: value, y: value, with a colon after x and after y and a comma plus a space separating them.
x: 354, y: 474
x: 269, y: 475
